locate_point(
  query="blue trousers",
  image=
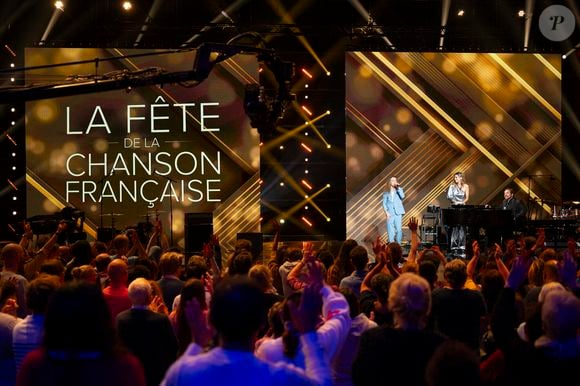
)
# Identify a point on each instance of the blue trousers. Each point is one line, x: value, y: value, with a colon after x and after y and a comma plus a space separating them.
x: 395, y: 228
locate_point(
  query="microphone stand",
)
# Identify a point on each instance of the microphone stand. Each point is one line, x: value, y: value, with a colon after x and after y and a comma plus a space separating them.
x: 171, y: 180
x: 102, y: 182
x: 529, y: 176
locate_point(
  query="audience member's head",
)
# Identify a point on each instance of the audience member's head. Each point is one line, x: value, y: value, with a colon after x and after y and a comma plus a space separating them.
x: 52, y: 267
x: 428, y: 271
x: 262, y: 275
x: 359, y: 257
x: 410, y: 266
x: 139, y: 270
x: 78, y: 320
x: 275, y: 321
x: 118, y: 272
x: 240, y: 263
x: 551, y: 272
x: 140, y: 292
x: 453, y: 364
x: 86, y: 273
x: 120, y: 244
x: 548, y: 254
x: 102, y: 262
x: 536, y: 273
x: 380, y: 285
x: 456, y: 273
x: 410, y: 301
x: 561, y: 315
x: 238, y: 309
x: 170, y: 263
x: 155, y: 253
x: 196, y: 267
x: 11, y: 255
x: 40, y: 291
x: 294, y: 254
x: 99, y: 247
x: 396, y: 252
x: 548, y: 288
x: 353, y: 305
x: 243, y: 245
x: 326, y: 257
x: 81, y: 251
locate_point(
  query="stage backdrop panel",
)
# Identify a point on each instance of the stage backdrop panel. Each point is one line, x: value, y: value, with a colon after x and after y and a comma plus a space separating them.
x: 130, y: 156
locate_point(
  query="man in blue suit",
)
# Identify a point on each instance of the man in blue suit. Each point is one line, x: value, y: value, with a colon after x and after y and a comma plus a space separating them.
x: 393, y: 206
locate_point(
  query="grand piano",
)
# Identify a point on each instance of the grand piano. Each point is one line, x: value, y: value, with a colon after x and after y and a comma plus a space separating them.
x: 481, y: 221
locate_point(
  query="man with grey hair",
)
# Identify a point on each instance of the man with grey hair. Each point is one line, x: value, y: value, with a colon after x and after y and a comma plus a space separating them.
x: 146, y: 333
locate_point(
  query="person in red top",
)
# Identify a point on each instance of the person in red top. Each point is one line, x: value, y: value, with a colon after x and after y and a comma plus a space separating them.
x: 80, y: 345
x: 117, y: 294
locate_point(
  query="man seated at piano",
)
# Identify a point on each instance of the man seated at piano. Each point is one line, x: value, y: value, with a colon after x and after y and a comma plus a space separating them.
x: 510, y: 202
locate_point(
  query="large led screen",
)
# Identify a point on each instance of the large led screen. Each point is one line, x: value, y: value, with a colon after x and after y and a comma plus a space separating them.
x: 130, y: 156
x: 422, y: 117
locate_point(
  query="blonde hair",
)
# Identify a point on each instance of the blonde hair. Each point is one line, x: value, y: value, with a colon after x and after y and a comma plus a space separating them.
x: 410, y: 300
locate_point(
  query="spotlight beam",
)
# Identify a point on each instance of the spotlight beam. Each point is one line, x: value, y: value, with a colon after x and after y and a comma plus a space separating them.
x: 528, y: 26
x: 52, y: 22
x: 445, y: 6
x: 148, y: 20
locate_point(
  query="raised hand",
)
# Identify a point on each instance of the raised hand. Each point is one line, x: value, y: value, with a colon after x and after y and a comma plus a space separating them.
x: 306, y: 315
x: 518, y: 272
x: 497, y: 254
x: 201, y: 333
x: 413, y: 224
x: 476, y: 250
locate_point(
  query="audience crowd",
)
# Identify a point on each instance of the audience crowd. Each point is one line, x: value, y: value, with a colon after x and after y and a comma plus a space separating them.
x: 125, y: 313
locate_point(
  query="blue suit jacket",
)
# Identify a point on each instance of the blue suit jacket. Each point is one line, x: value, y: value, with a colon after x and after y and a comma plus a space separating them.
x: 395, y: 205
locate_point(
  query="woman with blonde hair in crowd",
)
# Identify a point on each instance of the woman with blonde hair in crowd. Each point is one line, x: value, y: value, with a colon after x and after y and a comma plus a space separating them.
x: 399, y: 355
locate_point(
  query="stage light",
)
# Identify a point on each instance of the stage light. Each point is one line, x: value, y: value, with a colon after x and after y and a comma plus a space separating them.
x: 281, y: 184
x: 13, y: 167
x: 14, y: 198
x: 14, y: 213
x: 306, y: 171
x: 12, y: 80
x: 306, y: 133
x: 59, y: 5
x: 282, y: 221
x: 305, y: 96
x: 13, y: 154
x: 306, y: 110
x: 328, y: 146
x: 327, y: 73
x: 305, y: 159
x: 306, y: 85
x: 305, y: 207
x: 281, y: 147
x: 13, y: 123
x: 11, y: 65
x: 305, y: 147
x: 521, y: 13
x: 305, y: 72
x: 305, y: 183
x: 127, y: 5
x: 12, y: 109
x: 308, y: 222
x: 460, y: 12
x: 260, y: 181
